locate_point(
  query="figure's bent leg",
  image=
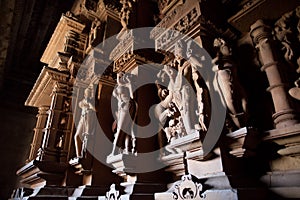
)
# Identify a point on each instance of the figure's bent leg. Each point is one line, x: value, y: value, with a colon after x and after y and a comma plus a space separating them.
x: 78, y: 142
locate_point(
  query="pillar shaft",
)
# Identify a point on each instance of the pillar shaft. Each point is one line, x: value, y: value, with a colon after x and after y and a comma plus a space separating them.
x: 284, y: 112
x: 38, y: 132
x: 53, y: 140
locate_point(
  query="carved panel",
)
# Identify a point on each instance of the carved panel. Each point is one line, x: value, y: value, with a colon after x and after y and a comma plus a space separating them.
x: 287, y: 31
x: 188, y: 189
x: 165, y: 5
x: 112, y: 194
x: 91, y: 5
x: 181, y: 17
x: 119, y: 63
x: 124, y: 46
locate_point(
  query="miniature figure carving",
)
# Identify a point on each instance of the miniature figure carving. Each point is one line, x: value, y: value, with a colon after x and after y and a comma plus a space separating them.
x: 125, y: 13
x: 165, y: 94
x: 96, y: 25
x: 227, y: 81
x: 86, y: 125
x: 184, y: 98
x: 201, y: 89
x: 166, y: 111
x: 125, y: 114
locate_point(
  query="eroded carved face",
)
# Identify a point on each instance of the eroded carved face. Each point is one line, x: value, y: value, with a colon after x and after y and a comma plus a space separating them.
x: 87, y: 93
x: 179, y: 49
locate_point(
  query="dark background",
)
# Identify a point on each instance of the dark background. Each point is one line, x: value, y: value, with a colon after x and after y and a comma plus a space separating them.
x: 26, y: 27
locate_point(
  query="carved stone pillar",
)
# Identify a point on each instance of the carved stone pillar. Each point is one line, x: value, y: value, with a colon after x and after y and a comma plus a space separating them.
x: 38, y: 132
x: 284, y: 112
x: 53, y: 136
x: 51, y: 159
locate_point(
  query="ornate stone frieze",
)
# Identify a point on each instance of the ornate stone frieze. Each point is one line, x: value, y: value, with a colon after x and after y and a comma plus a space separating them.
x: 95, y: 66
x: 180, y: 18
x: 124, y: 46
x: 122, y: 61
x: 165, y: 5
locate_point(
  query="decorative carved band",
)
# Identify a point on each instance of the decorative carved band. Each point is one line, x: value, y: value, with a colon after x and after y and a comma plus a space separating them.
x: 124, y: 46
x: 265, y: 66
x: 181, y: 17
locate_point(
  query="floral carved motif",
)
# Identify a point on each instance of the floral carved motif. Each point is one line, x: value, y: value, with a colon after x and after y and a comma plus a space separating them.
x: 188, y: 189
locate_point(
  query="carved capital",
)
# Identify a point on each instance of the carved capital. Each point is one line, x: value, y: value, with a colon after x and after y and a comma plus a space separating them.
x: 259, y: 31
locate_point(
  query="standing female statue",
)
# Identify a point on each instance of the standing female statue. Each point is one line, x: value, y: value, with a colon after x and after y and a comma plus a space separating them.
x: 87, y: 123
x: 125, y: 113
x: 228, y: 83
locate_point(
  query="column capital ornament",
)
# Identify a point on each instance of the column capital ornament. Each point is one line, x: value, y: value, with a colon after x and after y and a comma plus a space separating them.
x: 260, y: 31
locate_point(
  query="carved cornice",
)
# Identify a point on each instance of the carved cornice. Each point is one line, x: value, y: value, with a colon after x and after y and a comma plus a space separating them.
x: 56, y: 43
x: 109, y: 8
x: 253, y: 10
x: 40, y: 94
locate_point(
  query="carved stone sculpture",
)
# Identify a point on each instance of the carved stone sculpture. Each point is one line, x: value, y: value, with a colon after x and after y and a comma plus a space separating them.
x: 112, y: 194
x: 228, y: 83
x: 183, y: 88
x: 95, y: 31
x: 125, y: 12
x: 86, y: 125
x: 166, y: 111
x: 201, y: 88
x: 125, y: 113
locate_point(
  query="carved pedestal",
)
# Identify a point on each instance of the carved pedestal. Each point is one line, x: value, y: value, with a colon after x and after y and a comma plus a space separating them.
x: 284, y: 175
x: 137, y: 185
x: 186, y: 147
x: 243, y: 142
x: 188, y: 188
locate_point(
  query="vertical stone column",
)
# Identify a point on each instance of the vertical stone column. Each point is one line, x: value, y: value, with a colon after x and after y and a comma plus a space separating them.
x: 38, y: 132
x: 53, y: 136
x: 52, y: 159
x: 284, y: 112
